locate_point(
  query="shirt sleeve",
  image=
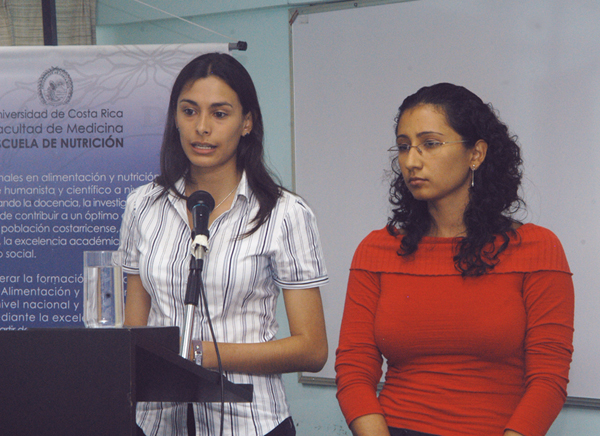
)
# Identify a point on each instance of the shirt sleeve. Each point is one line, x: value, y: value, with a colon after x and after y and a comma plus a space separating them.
x: 358, y: 360
x: 129, y: 236
x: 549, y: 301
x: 298, y: 262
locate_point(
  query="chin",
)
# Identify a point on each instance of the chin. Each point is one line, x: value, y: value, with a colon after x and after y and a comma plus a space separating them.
x: 419, y: 195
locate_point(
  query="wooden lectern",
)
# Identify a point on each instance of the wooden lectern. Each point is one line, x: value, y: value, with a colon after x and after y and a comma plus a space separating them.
x: 64, y: 382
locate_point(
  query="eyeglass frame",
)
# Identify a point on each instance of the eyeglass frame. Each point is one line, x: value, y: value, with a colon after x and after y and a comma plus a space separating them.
x: 396, y: 148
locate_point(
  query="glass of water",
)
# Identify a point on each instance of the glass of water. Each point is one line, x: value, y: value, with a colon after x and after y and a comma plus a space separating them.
x: 103, y: 302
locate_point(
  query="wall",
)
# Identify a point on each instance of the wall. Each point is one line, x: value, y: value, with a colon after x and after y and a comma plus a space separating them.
x: 264, y: 25
x: 131, y: 11
x: 267, y: 60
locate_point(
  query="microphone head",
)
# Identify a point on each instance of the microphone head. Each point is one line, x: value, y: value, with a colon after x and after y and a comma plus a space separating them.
x: 200, y: 204
x: 201, y: 198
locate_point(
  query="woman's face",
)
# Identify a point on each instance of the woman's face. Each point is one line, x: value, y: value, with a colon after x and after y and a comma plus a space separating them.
x: 440, y: 173
x: 210, y: 121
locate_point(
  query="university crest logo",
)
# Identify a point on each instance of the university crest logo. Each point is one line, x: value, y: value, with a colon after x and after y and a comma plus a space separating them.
x: 55, y: 87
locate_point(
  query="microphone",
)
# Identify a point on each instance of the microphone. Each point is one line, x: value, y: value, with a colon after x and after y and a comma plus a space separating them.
x: 201, y: 204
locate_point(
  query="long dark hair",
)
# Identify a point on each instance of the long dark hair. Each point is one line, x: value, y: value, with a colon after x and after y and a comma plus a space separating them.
x: 174, y: 164
x: 492, y: 201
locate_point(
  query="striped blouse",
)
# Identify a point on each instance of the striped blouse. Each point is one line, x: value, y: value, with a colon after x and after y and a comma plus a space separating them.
x: 242, y: 279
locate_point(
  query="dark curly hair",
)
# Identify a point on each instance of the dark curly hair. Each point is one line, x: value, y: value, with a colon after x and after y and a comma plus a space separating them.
x: 174, y: 164
x: 492, y: 201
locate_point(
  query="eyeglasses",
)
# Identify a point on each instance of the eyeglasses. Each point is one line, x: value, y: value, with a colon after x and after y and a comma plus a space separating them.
x: 427, y: 147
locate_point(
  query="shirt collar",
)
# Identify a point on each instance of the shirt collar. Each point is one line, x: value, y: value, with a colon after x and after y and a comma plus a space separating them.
x: 180, y: 186
x: 243, y: 188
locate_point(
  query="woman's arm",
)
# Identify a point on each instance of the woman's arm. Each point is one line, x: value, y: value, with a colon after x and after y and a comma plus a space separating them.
x: 548, y: 297
x: 304, y: 350
x: 137, y: 302
x: 370, y: 425
x: 358, y: 360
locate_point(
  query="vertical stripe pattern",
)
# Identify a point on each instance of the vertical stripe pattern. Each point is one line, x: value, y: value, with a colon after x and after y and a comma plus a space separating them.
x: 242, y: 279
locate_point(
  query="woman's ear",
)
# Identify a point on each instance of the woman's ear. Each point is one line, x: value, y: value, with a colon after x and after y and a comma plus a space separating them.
x: 247, y: 124
x: 478, y: 153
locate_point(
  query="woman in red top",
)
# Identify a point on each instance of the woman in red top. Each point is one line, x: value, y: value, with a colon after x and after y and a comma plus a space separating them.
x: 472, y: 310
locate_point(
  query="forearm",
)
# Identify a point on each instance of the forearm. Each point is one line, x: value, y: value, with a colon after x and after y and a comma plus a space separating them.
x: 369, y: 425
x: 137, y: 303
x: 304, y: 350
x: 291, y: 354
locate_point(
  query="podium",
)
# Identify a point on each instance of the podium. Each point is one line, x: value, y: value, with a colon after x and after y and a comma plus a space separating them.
x: 59, y: 382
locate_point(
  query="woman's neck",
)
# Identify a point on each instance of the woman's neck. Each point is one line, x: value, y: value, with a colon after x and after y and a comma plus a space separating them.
x: 447, y: 221
x: 218, y: 183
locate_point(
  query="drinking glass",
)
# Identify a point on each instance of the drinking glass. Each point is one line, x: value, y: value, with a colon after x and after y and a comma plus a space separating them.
x: 103, y: 302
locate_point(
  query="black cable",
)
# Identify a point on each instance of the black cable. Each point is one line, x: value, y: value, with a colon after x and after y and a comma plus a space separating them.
x: 220, y: 365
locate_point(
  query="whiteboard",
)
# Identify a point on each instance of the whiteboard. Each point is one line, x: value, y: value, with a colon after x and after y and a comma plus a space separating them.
x: 536, y: 61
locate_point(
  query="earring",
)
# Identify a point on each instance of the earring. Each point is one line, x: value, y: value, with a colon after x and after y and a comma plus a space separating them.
x: 472, y: 176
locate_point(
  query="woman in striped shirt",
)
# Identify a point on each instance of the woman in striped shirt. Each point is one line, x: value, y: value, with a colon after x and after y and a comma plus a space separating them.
x: 262, y: 239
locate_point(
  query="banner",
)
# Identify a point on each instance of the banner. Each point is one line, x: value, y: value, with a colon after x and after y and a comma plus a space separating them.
x: 80, y: 128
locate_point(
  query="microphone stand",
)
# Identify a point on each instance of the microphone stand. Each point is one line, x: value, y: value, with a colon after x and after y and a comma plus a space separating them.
x: 195, y: 288
x: 192, y: 293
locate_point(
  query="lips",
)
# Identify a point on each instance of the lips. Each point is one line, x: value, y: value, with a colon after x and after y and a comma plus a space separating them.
x: 202, y: 146
x: 416, y: 181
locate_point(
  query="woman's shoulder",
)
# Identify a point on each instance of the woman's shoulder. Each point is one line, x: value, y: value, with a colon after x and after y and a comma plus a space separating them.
x: 380, y: 237
x: 293, y: 203
x: 533, y: 234
x: 534, y: 248
x: 289, y: 196
x: 149, y: 189
x: 290, y: 213
x: 144, y: 194
x: 376, y: 250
